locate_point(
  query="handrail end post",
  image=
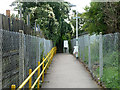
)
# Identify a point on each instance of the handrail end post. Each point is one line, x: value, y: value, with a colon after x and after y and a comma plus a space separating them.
x: 13, y: 87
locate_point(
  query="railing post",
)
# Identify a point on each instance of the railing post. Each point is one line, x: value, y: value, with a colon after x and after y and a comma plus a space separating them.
x: 30, y: 81
x: 13, y: 87
x: 48, y: 62
x: 21, y: 56
x: 50, y: 59
x: 1, y: 41
x: 51, y: 56
x: 38, y: 86
x: 47, y: 65
x: 55, y: 50
x: 46, y: 69
x: 43, y: 72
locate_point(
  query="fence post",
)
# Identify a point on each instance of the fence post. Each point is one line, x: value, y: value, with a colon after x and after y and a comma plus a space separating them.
x: 79, y: 47
x: 101, y: 55
x: 83, y: 49
x: 1, y: 24
x: 89, y: 53
x: 118, y: 47
x: 1, y: 39
x: 21, y: 56
x: 46, y: 63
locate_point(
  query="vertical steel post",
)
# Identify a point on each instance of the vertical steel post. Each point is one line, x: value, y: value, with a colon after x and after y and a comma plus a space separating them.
x: 13, y: 87
x: 38, y: 86
x: 101, y: 55
x: 43, y: 72
x: 83, y: 49
x: 30, y: 81
x: 1, y: 41
x: 89, y: 53
x: 46, y: 63
x: 21, y: 56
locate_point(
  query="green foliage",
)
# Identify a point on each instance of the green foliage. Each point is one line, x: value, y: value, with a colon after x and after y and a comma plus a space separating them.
x: 94, y: 18
x: 86, y: 55
x: 110, y: 64
x: 111, y: 59
x: 110, y: 77
x: 94, y: 52
x: 102, y: 17
x: 42, y: 54
x: 52, y: 17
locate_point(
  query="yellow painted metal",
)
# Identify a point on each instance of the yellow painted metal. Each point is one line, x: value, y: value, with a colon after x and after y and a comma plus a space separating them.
x: 13, y: 87
x: 30, y: 81
x: 38, y: 85
x: 48, y: 63
x: 49, y: 58
x: 27, y: 79
x: 43, y: 72
x: 46, y: 70
x: 39, y: 76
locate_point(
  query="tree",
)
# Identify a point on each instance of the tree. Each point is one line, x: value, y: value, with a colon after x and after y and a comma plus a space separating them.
x: 61, y: 11
x: 102, y: 17
x: 94, y: 18
x: 51, y: 17
x: 112, y: 16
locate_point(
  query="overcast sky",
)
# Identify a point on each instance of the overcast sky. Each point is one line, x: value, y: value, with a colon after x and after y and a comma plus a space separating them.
x: 80, y: 4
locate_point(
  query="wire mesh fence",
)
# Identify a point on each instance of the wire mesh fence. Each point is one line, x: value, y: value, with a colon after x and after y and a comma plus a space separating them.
x: 19, y: 53
x: 110, y: 57
x: 100, y: 53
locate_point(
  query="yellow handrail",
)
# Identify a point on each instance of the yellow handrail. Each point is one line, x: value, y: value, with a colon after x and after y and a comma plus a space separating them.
x: 29, y: 78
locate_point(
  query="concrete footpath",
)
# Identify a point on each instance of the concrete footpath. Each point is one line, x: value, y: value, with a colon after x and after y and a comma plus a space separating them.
x: 67, y: 72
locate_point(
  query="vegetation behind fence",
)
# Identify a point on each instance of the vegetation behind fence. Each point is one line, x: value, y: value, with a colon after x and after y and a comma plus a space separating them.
x: 100, y: 53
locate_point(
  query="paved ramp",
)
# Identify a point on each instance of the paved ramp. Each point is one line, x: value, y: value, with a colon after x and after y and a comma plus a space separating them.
x: 67, y: 72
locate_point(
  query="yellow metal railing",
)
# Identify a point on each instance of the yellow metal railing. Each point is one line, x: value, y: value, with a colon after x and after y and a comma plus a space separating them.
x: 48, y: 61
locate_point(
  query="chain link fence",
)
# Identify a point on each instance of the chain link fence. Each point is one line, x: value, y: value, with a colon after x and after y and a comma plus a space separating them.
x: 100, y: 54
x: 19, y: 53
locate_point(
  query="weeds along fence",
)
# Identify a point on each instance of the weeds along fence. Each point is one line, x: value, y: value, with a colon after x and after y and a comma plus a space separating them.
x: 18, y: 53
x: 101, y: 54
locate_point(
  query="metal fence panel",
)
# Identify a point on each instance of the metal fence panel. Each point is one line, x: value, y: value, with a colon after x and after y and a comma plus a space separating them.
x: 101, y: 54
x: 19, y: 53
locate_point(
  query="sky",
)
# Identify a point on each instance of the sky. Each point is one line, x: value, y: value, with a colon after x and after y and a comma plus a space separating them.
x: 80, y: 4
x: 4, y: 5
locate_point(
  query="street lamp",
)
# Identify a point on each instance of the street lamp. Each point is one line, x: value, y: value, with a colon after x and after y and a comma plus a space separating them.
x: 76, y: 48
x: 71, y: 5
x: 76, y: 33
